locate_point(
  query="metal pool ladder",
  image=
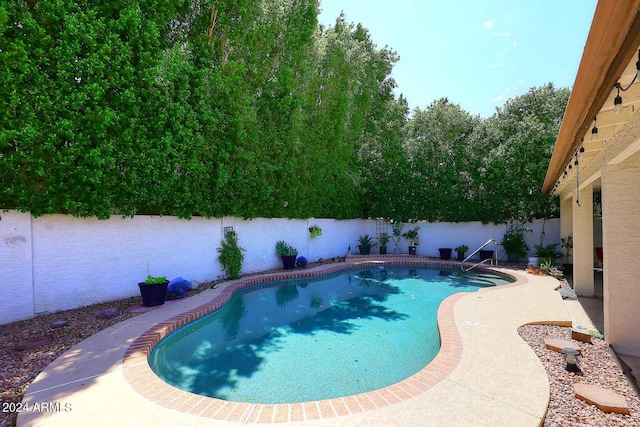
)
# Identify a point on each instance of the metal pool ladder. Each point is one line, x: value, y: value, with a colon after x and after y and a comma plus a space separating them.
x: 493, y: 260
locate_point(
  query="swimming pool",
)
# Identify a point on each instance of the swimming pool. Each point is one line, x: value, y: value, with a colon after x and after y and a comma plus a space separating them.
x: 313, y: 339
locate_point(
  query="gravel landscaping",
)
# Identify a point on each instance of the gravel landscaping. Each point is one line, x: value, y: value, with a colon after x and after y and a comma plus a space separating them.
x: 20, y: 367
x: 597, y: 365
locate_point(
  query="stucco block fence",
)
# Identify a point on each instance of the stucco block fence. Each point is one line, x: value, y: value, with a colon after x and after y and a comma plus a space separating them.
x: 58, y: 262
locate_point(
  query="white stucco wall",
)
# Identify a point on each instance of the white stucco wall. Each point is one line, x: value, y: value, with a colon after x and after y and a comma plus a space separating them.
x: 83, y: 261
x: 259, y: 236
x: 16, y: 284
x: 621, y: 238
x: 58, y: 262
x: 450, y: 235
x: 475, y: 234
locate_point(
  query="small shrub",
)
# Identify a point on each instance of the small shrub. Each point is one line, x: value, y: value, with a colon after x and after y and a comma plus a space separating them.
x: 555, y: 272
x: 412, y: 235
x: 546, y: 265
x: 548, y: 253
x: 397, y: 232
x: 366, y: 242
x: 384, y: 238
x: 231, y: 256
x: 513, y: 240
x: 285, y: 249
x: 462, y: 249
x: 567, y: 293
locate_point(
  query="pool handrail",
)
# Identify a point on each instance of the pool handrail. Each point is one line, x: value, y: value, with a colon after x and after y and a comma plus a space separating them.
x: 493, y: 260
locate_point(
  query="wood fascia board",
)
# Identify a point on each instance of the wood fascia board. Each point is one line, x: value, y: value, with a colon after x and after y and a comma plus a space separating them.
x: 613, y: 40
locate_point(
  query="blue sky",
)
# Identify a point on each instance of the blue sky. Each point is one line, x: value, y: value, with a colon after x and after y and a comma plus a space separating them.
x: 478, y: 53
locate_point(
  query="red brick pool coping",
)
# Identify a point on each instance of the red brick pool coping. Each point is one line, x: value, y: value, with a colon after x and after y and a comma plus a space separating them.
x: 144, y: 381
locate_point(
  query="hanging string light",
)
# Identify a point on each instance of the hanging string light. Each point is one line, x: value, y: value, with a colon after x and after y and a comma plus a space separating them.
x: 594, y: 130
x: 577, y: 182
x: 617, y: 102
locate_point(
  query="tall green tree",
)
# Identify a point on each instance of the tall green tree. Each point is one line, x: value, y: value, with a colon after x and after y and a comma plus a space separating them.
x: 245, y: 108
x: 76, y: 92
x: 436, y: 145
x: 511, y: 151
x: 348, y: 86
x: 383, y: 161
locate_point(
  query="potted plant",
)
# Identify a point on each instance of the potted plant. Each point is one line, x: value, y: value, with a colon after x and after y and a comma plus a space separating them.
x: 461, y: 250
x: 513, y: 241
x: 315, y: 231
x: 231, y: 256
x: 445, y: 253
x: 383, y: 241
x: 547, y: 254
x: 567, y: 245
x: 153, y: 290
x: 365, y: 243
x: 413, y: 238
x: 287, y: 253
x: 397, y: 235
x: 486, y: 254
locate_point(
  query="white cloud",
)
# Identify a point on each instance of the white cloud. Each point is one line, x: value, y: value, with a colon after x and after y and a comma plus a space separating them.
x: 488, y: 24
x: 497, y: 98
x: 410, y: 5
x: 496, y: 65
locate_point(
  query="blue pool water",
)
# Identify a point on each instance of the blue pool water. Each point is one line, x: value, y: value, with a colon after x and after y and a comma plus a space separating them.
x: 313, y: 339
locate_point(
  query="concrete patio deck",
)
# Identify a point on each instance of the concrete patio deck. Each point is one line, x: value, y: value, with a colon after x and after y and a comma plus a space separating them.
x: 484, y: 375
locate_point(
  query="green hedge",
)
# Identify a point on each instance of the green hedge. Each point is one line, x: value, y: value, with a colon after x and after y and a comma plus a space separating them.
x: 153, y: 107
